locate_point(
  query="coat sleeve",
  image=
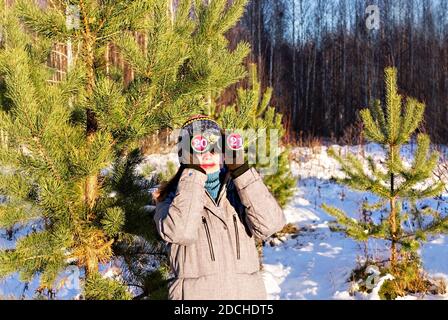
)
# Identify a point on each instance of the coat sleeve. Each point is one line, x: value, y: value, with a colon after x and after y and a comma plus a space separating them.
x: 178, y: 218
x: 264, y: 215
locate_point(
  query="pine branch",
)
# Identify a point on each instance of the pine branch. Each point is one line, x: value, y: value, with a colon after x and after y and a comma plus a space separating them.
x: 133, y: 54
x: 352, y: 227
x: 413, y: 115
x: 125, y: 15
x: 393, y: 105
x: 231, y: 16
x: 371, y: 129
x: 50, y: 23
x: 18, y: 213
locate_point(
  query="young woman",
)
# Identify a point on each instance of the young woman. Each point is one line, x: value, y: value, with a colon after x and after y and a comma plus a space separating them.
x: 210, y: 214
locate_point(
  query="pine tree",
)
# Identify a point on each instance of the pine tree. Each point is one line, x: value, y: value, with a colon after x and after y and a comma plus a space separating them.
x: 174, y: 65
x: 393, y: 182
x: 69, y: 148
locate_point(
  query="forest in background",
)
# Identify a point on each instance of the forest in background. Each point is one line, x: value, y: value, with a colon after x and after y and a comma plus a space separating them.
x: 325, y: 64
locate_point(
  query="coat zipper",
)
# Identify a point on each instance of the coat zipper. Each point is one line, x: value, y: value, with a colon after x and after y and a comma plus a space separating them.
x: 221, y: 192
x: 237, y: 238
x: 209, y: 239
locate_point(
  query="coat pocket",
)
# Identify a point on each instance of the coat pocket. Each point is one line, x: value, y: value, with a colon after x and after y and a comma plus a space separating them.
x: 177, y: 257
x: 209, y: 238
x: 200, y: 258
x: 237, y: 237
x: 247, y: 260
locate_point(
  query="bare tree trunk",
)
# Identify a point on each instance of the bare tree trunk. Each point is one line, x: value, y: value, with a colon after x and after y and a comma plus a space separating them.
x: 294, y: 65
x: 107, y: 59
x: 271, y: 57
x: 259, y: 28
x: 91, y: 184
x: 171, y: 10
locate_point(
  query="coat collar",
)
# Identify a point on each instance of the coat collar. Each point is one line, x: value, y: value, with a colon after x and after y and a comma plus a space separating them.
x: 216, y: 207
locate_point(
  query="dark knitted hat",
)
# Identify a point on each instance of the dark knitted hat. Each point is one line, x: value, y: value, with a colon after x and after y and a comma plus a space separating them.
x: 200, y: 123
x: 197, y: 124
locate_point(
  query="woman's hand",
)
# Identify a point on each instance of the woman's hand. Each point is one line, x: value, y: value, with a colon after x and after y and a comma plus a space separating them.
x: 234, y: 159
x: 234, y: 154
x: 195, y: 163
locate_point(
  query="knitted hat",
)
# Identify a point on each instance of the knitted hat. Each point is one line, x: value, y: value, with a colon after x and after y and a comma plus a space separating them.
x: 200, y: 123
x: 197, y: 124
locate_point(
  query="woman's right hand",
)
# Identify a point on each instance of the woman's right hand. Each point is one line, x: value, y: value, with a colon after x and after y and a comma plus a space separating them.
x: 193, y: 162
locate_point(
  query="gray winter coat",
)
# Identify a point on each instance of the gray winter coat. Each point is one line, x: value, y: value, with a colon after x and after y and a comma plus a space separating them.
x: 212, y: 246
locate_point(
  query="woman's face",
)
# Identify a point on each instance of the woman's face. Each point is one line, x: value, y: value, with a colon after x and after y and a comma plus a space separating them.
x: 210, y: 162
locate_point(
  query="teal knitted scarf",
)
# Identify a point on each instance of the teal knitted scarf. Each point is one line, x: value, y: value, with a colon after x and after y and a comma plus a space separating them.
x: 213, y: 184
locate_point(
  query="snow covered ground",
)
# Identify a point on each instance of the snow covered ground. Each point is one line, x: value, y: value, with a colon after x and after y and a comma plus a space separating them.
x: 317, y: 262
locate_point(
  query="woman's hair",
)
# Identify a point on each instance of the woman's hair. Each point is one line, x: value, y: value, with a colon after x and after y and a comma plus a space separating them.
x: 168, y: 186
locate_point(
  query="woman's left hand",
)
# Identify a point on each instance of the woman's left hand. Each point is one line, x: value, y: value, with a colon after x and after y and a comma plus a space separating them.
x: 234, y: 151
